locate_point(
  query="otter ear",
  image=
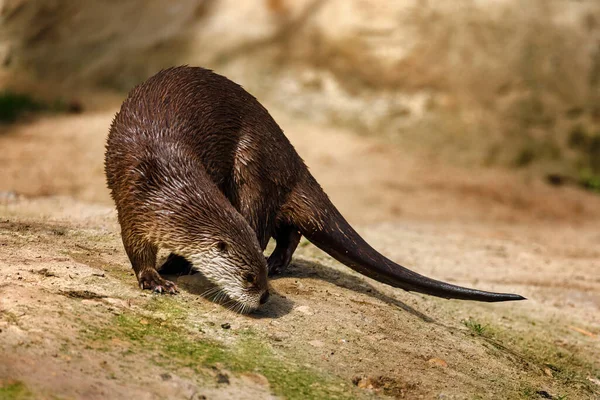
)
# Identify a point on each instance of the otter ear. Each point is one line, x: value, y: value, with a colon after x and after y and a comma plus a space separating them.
x: 222, y: 246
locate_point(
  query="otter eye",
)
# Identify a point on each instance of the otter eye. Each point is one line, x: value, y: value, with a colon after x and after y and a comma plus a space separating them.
x: 222, y: 246
x: 250, y: 278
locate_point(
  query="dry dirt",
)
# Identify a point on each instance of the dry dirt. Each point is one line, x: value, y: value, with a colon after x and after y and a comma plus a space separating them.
x: 73, y: 323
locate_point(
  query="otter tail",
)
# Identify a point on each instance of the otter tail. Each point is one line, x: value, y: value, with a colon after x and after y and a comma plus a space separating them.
x: 321, y: 223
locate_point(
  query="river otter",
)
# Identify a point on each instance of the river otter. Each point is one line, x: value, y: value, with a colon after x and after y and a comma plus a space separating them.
x: 196, y: 165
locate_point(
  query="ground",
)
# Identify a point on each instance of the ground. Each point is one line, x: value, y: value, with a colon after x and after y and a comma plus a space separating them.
x: 74, y: 324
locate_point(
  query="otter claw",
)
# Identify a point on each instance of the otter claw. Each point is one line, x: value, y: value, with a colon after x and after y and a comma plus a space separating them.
x: 167, y: 287
x: 153, y: 282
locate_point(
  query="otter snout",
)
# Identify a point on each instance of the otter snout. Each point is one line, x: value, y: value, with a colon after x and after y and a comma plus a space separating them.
x: 265, y: 297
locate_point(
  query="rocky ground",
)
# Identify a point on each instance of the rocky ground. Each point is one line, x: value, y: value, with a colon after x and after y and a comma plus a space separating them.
x: 73, y: 323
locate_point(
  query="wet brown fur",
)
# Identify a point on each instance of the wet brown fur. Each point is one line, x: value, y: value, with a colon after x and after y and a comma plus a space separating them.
x: 195, y: 162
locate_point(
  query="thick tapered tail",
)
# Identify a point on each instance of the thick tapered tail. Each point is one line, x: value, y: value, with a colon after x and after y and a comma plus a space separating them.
x: 318, y: 219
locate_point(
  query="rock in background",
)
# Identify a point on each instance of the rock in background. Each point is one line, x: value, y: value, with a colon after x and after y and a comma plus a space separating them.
x: 502, y: 81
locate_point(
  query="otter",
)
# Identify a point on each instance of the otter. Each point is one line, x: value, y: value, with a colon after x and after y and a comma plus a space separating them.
x: 197, y: 166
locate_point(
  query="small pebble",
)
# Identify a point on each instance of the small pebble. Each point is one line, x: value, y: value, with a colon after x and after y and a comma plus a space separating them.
x: 165, y: 376
x: 226, y: 325
x: 222, y: 378
x: 438, y: 362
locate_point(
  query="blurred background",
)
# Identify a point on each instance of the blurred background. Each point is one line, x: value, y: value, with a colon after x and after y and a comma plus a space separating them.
x: 475, y: 82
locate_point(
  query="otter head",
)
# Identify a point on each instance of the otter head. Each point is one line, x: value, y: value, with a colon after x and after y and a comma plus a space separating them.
x: 232, y: 260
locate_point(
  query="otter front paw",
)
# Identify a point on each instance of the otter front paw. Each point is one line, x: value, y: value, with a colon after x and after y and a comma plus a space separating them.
x: 150, y: 279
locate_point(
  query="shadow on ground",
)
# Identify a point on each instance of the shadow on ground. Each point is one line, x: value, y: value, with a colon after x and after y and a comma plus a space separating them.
x: 178, y: 269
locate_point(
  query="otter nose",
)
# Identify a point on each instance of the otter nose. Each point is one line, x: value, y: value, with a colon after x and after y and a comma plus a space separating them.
x: 264, y: 297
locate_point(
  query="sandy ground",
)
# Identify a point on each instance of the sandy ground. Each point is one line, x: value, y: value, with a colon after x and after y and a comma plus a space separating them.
x: 73, y: 323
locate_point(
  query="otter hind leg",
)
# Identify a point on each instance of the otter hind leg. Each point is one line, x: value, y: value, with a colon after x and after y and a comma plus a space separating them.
x: 142, y: 255
x: 287, y: 239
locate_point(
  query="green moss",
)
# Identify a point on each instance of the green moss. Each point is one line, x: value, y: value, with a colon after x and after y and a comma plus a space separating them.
x: 590, y: 181
x: 286, y: 378
x: 14, y: 105
x: 527, y: 391
x: 170, y: 345
x: 166, y: 305
x: 475, y: 327
x: 535, y: 348
x: 161, y: 336
x: 567, y: 366
x: 14, y: 391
